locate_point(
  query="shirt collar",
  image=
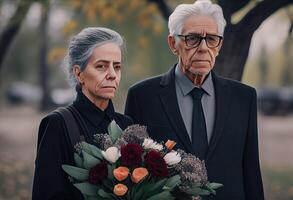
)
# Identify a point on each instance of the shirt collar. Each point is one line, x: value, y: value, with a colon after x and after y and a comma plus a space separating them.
x: 91, y: 112
x: 186, y: 85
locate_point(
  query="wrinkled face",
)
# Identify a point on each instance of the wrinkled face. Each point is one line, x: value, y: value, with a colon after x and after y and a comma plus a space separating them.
x: 101, y: 77
x: 201, y: 59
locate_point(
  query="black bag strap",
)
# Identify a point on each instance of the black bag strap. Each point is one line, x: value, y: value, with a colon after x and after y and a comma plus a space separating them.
x: 83, y: 126
x: 71, y: 124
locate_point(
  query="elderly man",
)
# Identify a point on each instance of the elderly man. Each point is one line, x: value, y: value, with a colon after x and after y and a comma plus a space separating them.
x: 209, y: 116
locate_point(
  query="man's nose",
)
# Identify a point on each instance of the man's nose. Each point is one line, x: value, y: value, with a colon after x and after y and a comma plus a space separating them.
x: 203, y: 45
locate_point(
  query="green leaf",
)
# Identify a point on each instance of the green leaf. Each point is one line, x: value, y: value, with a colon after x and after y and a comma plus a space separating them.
x: 75, y: 172
x: 173, y: 181
x: 78, y: 160
x: 154, y: 188
x: 87, y: 197
x: 197, y: 191
x: 194, y: 191
x: 158, y: 185
x: 90, y: 197
x: 212, y: 187
x: 108, y: 184
x: 87, y: 188
x: 89, y: 160
x: 211, y: 190
x: 104, y: 194
x: 162, y: 195
x: 215, y: 185
x: 138, y: 190
x: 92, y: 150
x: 204, y: 192
x: 96, y: 152
x: 197, y: 185
x: 114, y: 131
x: 110, y: 171
x: 96, y: 197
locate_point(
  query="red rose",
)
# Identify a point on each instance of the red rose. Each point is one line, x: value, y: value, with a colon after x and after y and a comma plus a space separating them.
x: 156, y: 164
x: 131, y: 155
x: 98, y: 173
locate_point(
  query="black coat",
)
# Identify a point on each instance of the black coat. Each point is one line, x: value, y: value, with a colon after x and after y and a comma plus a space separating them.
x: 232, y: 157
x: 55, y: 149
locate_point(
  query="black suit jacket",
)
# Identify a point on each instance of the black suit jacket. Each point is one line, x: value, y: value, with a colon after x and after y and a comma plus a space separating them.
x: 232, y: 157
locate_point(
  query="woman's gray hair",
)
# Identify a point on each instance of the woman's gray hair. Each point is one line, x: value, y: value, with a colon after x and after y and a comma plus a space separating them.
x: 82, y: 45
x: 199, y: 8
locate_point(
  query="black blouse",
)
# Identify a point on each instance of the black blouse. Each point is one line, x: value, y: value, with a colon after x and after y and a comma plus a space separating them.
x: 54, y: 148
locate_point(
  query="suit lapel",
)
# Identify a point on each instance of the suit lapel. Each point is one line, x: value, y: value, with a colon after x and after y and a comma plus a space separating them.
x: 222, y: 92
x: 170, y: 104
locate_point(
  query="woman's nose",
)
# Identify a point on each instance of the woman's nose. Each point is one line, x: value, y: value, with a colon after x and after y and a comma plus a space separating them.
x: 111, y: 72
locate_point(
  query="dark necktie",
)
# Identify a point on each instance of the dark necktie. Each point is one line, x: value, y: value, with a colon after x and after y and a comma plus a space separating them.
x: 199, y: 133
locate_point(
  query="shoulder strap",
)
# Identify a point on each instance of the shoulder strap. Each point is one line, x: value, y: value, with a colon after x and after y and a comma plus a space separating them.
x: 71, y: 124
x: 84, y: 136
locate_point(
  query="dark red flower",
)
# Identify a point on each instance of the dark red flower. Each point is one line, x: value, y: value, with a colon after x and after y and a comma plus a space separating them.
x: 131, y: 155
x: 98, y: 173
x: 156, y: 164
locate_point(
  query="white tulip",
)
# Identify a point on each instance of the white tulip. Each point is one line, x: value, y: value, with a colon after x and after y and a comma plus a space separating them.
x: 151, y: 144
x: 112, y: 154
x: 172, y: 158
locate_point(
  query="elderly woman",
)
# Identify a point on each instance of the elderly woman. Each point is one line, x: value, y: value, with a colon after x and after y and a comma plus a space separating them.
x: 94, y: 66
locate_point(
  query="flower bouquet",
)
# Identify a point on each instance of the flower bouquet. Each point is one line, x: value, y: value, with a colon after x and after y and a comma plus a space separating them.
x: 130, y: 165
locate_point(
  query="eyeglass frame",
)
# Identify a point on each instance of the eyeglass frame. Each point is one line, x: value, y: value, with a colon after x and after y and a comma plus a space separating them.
x: 201, y: 38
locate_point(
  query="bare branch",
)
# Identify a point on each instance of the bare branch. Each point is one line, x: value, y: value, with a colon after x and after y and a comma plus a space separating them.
x: 13, y: 26
x: 164, y: 8
x: 259, y: 13
x: 231, y: 6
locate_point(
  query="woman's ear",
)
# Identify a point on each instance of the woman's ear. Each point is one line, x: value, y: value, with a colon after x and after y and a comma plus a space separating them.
x: 172, y: 44
x: 78, y: 74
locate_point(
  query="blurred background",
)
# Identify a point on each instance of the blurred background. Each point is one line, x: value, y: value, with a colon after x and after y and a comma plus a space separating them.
x: 258, y: 50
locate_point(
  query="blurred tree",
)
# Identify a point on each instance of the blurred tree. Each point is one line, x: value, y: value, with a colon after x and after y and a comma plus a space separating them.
x: 12, y: 27
x: 263, y: 66
x: 46, y: 100
x: 230, y: 63
x: 288, y: 50
x: 238, y: 35
x: 139, y: 21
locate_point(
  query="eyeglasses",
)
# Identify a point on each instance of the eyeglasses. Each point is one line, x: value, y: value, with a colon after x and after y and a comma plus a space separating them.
x: 194, y: 40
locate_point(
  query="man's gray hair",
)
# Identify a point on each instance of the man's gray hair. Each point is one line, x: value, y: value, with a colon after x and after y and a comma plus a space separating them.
x: 199, y: 8
x: 82, y: 45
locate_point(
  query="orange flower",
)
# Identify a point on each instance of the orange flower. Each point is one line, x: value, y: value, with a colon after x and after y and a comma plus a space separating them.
x: 170, y: 144
x: 139, y: 174
x: 121, y: 173
x: 120, y: 189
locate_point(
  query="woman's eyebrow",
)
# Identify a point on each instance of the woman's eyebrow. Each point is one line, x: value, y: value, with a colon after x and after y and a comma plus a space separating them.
x: 106, y: 61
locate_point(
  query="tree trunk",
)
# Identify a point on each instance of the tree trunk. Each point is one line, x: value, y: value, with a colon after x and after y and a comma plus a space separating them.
x: 12, y: 27
x: 46, y: 101
x: 233, y: 55
x: 287, y: 73
x: 231, y: 61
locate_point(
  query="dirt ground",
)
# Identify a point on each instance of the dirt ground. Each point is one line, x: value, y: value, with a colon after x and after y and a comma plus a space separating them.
x: 19, y: 125
x: 276, y: 141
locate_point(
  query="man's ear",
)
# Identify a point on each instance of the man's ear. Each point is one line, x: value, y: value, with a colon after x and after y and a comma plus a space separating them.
x: 219, y: 48
x: 172, y: 44
x: 78, y: 73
